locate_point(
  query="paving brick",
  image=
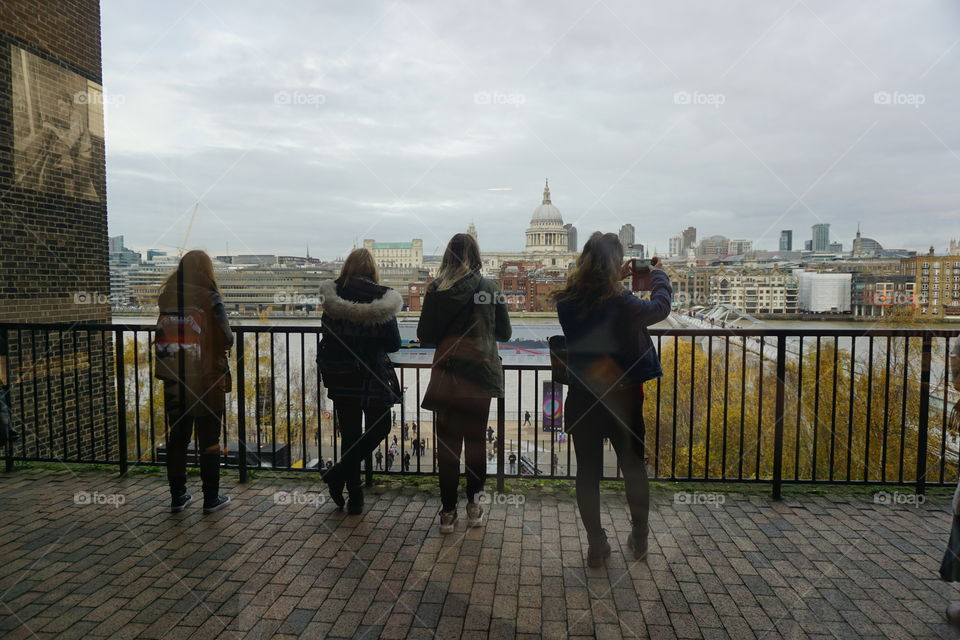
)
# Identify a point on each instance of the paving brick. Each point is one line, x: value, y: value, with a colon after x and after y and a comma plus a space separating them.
x: 752, y: 569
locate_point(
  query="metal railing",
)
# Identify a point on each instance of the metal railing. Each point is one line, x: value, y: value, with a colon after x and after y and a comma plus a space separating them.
x: 742, y: 405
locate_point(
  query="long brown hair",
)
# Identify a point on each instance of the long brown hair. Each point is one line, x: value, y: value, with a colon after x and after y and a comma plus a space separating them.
x: 596, y: 277
x: 359, y: 264
x: 197, y: 269
x: 461, y: 257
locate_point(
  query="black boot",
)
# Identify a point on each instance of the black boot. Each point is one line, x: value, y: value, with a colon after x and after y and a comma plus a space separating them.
x: 335, y: 486
x: 598, y: 550
x: 637, y: 541
x: 355, y: 501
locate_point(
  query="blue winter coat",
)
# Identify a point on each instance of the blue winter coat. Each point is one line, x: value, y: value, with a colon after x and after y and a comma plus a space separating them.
x: 608, y: 344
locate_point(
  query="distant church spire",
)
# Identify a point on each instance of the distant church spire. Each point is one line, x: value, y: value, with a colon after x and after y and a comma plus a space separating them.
x: 472, y: 230
x: 546, y: 191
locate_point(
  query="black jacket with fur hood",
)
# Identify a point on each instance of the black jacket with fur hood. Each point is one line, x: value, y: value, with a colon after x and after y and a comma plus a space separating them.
x: 359, y: 326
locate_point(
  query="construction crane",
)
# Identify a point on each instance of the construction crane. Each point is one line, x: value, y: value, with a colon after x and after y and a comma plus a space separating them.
x: 193, y: 216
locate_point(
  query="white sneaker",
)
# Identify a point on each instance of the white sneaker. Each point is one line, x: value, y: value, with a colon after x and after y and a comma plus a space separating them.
x: 447, y: 521
x: 474, y: 515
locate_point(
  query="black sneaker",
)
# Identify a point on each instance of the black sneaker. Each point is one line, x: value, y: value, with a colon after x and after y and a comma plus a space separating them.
x: 598, y: 551
x: 180, y: 502
x: 638, y: 544
x: 219, y: 503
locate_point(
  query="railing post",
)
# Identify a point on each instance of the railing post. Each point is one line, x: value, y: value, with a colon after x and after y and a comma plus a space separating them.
x: 6, y: 414
x: 924, y: 417
x: 121, y: 402
x: 241, y: 410
x: 501, y: 434
x: 778, y: 417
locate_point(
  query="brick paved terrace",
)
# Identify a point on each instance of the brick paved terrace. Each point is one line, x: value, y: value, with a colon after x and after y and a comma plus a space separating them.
x: 275, y: 564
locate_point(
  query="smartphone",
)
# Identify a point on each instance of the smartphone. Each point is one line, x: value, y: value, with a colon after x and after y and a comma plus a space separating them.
x: 640, y: 275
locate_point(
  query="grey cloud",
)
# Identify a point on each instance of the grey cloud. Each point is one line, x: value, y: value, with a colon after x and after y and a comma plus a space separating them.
x: 584, y: 96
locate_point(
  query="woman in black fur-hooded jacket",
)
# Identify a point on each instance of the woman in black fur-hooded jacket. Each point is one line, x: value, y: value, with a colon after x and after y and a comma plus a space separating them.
x: 359, y: 326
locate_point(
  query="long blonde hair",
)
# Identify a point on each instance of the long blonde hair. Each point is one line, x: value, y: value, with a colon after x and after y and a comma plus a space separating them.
x: 596, y: 278
x: 461, y: 257
x: 196, y: 268
x: 359, y: 264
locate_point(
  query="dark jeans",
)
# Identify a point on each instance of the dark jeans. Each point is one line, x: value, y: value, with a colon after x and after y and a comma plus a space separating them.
x: 619, y: 417
x: 462, y: 428
x: 356, y: 442
x: 182, y: 427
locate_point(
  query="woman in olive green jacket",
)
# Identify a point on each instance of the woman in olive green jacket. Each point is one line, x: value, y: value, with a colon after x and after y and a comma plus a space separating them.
x: 463, y: 315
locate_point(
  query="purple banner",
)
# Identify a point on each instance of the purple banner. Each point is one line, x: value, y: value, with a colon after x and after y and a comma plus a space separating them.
x: 552, y: 407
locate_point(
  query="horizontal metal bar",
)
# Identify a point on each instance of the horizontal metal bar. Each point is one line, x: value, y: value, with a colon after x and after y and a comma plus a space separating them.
x: 239, y: 328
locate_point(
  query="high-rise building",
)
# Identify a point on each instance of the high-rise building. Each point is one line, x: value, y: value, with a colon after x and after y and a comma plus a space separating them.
x: 786, y: 240
x: 627, y: 235
x: 571, y: 236
x: 808, y: 245
x: 676, y: 246
x: 821, y: 237
x: 689, y: 236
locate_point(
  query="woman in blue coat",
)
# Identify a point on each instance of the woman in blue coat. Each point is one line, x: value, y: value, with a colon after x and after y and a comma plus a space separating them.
x: 609, y: 357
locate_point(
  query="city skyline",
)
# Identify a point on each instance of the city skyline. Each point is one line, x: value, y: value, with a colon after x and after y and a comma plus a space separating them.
x: 408, y: 121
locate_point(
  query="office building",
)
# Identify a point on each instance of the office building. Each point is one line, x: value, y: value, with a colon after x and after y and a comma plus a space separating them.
x: 675, y: 247
x: 689, y: 236
x: 571, y: 236
x: 820, y: 242
x: 786, y: 240
x: 396, y: 254
x: 713, y: 247
x: 740, y: 246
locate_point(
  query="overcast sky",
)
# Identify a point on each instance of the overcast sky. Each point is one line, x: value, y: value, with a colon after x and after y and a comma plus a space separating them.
x: 321, y: 123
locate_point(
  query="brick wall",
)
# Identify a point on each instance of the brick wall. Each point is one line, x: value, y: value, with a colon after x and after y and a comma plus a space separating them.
x: 53, y: 226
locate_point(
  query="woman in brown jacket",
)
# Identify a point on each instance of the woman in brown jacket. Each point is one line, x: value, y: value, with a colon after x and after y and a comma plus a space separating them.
x: 194, y: 389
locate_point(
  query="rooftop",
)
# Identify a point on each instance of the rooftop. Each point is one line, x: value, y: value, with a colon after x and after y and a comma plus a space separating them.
x: 832, y: 565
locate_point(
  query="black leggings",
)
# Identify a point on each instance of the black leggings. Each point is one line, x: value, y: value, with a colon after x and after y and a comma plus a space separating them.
x: 464, y: 428
x: 182, y: 427
x: 618, y: 417
x: 356, y: 442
